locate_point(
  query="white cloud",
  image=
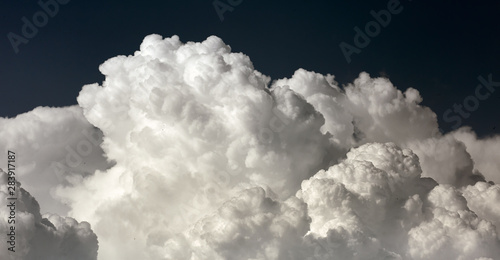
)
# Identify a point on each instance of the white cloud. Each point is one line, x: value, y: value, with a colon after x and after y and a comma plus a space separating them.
x: 483, y: 198
x: 37, y: 236
x: 484, y: 152
x: 189, y: 125
x: 369, y: 110
x: 451, y: 230
x: 252, y: 225
x: 446, y: 160
x: 56, y: 146
x: 210, y: 163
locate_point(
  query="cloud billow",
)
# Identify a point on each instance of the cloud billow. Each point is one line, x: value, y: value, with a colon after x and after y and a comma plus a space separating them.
x: 46, y: 236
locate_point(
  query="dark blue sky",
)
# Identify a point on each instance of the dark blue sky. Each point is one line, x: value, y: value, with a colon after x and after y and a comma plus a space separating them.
x: 439, y: 48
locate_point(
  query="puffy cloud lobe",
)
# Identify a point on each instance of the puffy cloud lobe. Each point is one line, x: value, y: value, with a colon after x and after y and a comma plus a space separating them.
x: 369, y: 110
x: 453, y: 231
x: 383, y: 113
x: 47, y: 236
x: 193, y: 123
x: 323, y: 93
x: 483, y: 198
x: 446, y: 160
x: 484, y: 152
x: 361, y: 198
x: 213, y: 100
x: 458, y: 158
x: 58, y: 146
x: 252, y: 225
x: 377, y: 198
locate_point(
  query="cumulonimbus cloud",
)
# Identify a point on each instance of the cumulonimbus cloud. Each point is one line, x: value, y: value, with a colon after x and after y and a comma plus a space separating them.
x: 200, y: 156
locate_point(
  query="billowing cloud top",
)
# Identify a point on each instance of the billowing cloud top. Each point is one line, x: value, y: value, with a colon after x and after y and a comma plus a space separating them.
x: 185, y: 151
